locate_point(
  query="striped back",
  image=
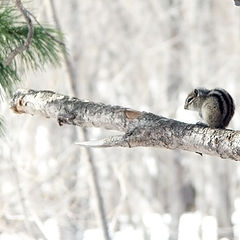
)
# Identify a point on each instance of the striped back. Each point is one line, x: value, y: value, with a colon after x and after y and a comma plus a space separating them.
x: 226, y: 104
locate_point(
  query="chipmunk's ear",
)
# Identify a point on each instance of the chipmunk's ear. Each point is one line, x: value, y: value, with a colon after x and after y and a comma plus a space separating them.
x: 196, y: 92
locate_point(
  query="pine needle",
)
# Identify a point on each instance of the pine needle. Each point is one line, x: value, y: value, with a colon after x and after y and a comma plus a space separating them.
x: 44, y: 49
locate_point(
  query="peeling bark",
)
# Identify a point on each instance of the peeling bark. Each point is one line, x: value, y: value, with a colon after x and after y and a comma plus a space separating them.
x: 139, y: 128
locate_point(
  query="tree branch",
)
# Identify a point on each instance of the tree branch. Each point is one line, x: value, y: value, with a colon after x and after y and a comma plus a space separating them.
x: 82, y: 133
x: 139, y: 128
x: 62, y: 44
x: 28, y: 41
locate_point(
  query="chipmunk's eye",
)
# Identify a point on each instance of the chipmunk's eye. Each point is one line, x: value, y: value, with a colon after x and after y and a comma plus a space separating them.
x: 190, y: 99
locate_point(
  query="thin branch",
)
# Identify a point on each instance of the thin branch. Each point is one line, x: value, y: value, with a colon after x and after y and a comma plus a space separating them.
x: 139, y: 128
x: 21, y: 199
x: 69, y: 66
x: 62, y: 44
x: 29, y: 38
x: 82, y: 132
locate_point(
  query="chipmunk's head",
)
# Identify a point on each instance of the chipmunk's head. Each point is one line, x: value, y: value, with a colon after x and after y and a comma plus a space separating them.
x: 195, y: 98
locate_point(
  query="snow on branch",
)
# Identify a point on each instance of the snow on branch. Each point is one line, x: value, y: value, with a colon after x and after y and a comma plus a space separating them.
x: 139, y: 128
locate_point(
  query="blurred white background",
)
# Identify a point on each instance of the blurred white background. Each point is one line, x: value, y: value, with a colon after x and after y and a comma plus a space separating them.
x: 143, y: 54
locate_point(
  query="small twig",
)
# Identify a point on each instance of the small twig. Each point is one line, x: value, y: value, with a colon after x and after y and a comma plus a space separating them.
x: 67, y: 60
x: 52, y: 37
x: 28, y: 41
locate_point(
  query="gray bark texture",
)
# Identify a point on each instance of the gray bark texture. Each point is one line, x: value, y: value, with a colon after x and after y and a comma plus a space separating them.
x: 140, y: 128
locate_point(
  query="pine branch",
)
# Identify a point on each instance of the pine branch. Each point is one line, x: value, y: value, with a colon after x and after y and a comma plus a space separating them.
x: 41, y: 48
x: 28, y: 41
x: 52, y: 37
x: 139, y: 128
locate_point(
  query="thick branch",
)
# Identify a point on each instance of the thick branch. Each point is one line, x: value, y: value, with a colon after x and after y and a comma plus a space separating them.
x: 28, y: 41
x: 140, y: 128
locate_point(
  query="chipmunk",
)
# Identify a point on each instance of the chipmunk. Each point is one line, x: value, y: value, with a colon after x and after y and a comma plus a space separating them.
x: 215, y: 107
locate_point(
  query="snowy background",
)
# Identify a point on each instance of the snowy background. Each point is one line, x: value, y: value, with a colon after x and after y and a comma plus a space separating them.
x: 146, y: 55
